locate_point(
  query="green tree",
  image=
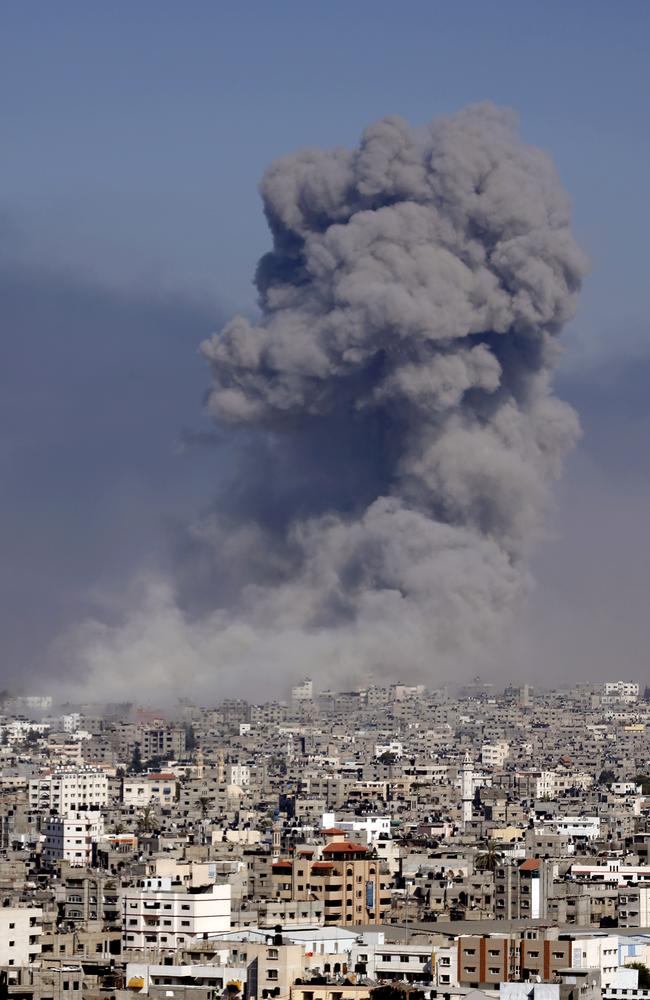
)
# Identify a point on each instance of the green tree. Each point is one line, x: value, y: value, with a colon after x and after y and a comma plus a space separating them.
x: 136, y: 760
x: 148, y: 821
x: 488, y: 857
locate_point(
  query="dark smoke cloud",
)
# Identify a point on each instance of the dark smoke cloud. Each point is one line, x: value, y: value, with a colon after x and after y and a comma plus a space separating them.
x: 396, y: 430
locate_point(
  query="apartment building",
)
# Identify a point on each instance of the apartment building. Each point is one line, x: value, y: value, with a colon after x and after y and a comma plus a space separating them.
x: 634, y: 906
x: 91, y: 897
x: 20, y: 933
x: 140, y: 790
x: 155, y: 741
x: 489, y: 959
x: 273, y: 967
x: 162, y: 916
x: 596, y: 951
x: 620, y: 692
x: 66, y: 791
x: 522, y: 891
x: 494, y: 754
x: 72, y: 838
x: 348, y: 880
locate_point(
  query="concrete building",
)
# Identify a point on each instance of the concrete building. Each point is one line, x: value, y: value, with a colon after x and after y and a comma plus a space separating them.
x: 72, y: 838
x: 348, y: 881
x: 140, y: 790
x: 494, y: 754
x: 20, y: 932
x: 160, y: 916
x: 620, y: 692
x: 634, y: 906
x: 304, y: 691
x: 522, y: 891
x: 69, y: 790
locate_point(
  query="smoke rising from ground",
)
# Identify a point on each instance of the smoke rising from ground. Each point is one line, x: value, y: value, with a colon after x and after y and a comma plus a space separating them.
x: 391, y: 413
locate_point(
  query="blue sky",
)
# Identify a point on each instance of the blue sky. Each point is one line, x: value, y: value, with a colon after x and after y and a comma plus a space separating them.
x: 134, y: 136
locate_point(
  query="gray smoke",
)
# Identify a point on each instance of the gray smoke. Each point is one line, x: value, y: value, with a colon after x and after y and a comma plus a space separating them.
x: 391, y: 412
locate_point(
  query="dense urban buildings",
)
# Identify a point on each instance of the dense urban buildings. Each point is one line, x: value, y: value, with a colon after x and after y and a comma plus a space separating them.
x: 333, y: 845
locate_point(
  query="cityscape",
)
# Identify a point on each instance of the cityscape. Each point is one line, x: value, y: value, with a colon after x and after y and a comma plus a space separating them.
x: 324, y: 492
x: 441, y: 843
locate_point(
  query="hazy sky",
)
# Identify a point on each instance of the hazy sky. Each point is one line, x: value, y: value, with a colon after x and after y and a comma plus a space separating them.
x: 134, y: 136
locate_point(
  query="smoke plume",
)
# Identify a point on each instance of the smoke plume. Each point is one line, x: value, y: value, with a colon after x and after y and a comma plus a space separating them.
x: 391, y: 412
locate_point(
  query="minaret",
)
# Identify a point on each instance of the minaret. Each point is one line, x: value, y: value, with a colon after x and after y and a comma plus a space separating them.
x: 276, y: 846
x: 467, y: 788
x: 199, y: 763
x: 221, y: 770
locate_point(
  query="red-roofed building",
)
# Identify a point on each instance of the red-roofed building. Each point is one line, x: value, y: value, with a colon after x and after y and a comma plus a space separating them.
x: 348, y: 882
x: 530, y: 865
x: 522, y: 891
x: 341, y: 849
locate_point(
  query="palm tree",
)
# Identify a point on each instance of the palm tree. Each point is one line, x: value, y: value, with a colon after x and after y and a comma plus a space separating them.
x: 148, y: 821
x: 488, y: 857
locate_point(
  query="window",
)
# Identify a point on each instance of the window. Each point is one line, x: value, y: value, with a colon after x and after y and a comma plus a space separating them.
x: 272, y: 974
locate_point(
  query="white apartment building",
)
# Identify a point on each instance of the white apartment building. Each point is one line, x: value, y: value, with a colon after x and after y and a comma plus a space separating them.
x: 368, y: 829
x: 71, y: 722
x: 72, y: 838
x: 160, y: 916
x: 550, y: 784
x: 625, y: 986
x: 584, y: 827
x: 69, y: 790
x: 394, y: 961
x: 172, y: 979
x: 17, y: 730
x: 620, y: 692
x: 529, y: 991
x: 614, y: 872
x: 20, y: 931
x: 494, y: 754
x: 145, y: 788
x: 238, y: 774
x: 395, y: 748
x: 596, y: 951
